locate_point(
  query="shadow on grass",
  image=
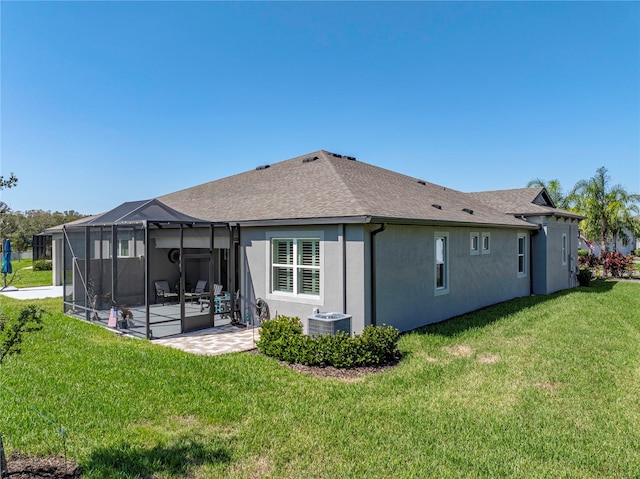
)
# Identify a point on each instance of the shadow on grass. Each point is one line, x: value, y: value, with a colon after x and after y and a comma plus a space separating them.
x: 176, y: 460
x: 486, y: 316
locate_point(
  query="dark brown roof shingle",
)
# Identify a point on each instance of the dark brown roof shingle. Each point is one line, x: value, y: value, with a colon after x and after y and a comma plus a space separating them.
x: 331, y: 186
x: 521, y: 202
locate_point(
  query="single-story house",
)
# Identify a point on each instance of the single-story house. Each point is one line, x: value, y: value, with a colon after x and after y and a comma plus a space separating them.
x: 322, y: 232
x: 554, y: 246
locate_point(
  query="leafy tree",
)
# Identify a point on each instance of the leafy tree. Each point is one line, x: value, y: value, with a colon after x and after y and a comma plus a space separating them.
x: 4, y: 208
x: 609, y: 209
x: 554, y: 189
x: 20, y: 227
x: 9, y: 182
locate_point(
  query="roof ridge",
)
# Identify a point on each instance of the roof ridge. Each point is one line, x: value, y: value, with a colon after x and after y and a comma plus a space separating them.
x: 532, y: 188
x: 329, y: 159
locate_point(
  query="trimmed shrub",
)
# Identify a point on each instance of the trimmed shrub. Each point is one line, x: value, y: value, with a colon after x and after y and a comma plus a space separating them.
x: 584, y: 276
x: 583, y: 253
x: 282, y: 338
x: 42, y: 265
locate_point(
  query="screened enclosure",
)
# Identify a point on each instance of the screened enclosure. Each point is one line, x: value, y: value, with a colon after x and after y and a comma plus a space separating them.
x: 150, y: 271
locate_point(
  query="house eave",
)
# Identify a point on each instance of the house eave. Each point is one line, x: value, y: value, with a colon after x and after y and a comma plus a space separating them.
x: 467, y: 224
x: 365, y: 219
x: 329, y: 220
x: 557, y: 214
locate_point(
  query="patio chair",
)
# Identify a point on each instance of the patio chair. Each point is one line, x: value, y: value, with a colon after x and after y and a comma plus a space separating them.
x: 163, y: 291
x: 198, y: 292
x: 206, y: 303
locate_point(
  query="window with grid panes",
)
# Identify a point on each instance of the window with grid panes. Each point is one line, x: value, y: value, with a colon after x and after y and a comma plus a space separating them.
x: 296, y: 266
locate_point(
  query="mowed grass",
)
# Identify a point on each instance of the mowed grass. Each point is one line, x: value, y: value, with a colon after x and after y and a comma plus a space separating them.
x: 24, y: 276
x: 545, y: 386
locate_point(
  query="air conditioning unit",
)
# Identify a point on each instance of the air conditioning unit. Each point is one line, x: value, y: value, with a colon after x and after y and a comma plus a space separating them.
x: 321, y: 324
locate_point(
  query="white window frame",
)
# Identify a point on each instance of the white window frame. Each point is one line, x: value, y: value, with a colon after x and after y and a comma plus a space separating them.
x: 122, y: 242
x: 564, y: 248
x: 445, y: 272
x: 295, y: 236
x: 474, y: 236
x: 486, y: 238
x: 524, y: 254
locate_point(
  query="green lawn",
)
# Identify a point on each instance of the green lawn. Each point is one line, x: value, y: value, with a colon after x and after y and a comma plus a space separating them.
x: 25, y: 277
x: 546, y: 386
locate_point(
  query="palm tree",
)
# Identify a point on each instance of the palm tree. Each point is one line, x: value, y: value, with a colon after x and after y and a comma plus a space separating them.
x: 623, y: 221
x: 554, y: 189
x: 608, y: 209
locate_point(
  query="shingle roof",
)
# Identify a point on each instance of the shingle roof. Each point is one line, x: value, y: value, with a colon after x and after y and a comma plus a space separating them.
x: 325, y: 185
x: 522, y: 202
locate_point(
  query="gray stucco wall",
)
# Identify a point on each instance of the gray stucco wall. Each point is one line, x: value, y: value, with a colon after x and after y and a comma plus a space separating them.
x: 405, y: 271
x: 550, y: 272
x: 560, y: 271
x: 342, y: 255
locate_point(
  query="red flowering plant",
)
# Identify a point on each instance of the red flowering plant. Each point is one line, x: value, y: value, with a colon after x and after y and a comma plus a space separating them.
x: 616, y: 264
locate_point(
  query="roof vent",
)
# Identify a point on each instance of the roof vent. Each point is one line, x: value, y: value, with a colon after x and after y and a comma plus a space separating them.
x: 352, y: 158
x: 336, y: 155
x: 468, y: 210
x: 436, y: 206
x: 263, y: 167
x: 422, y: 182
x: 309, y: 159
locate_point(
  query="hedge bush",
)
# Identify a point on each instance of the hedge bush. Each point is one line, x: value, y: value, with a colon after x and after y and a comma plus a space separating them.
x: 282, y: 338
x: 42, y: 265
x: 584, y: 276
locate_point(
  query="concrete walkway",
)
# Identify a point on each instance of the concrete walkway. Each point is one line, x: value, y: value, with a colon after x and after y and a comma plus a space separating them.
x: 39, y: 292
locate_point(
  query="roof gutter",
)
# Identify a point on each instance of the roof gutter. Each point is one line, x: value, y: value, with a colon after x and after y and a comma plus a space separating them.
x: 329, y: 220
x: 557, y: 214
x: 373, y: 272
x: 475, y: 224
x: 378, y: 220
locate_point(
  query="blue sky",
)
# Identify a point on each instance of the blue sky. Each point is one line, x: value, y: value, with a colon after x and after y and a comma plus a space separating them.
x: 106, y: 102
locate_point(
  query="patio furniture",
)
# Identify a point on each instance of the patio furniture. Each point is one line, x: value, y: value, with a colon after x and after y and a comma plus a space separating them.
x: 206, y: 303
x: 198, y: 292
x: 163, y: 291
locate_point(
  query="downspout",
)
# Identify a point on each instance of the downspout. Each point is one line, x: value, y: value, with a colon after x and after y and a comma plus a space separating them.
x: 373, y: 272
x: 344, y: 267
x: 531, y: 260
